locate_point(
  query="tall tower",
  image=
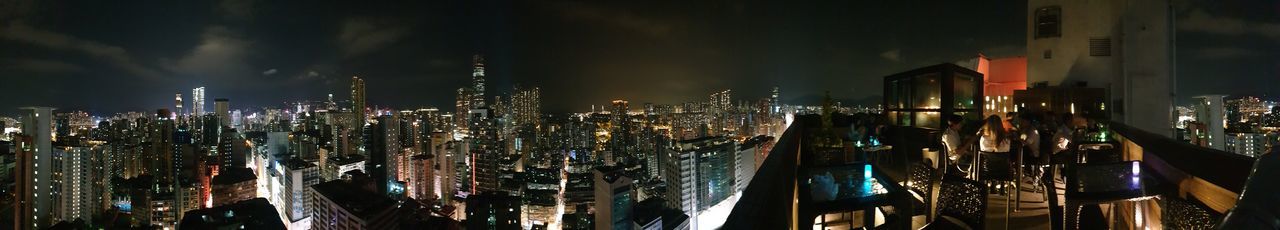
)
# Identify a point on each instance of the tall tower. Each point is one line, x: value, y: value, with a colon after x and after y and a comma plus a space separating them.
x: 197, y: 101
x: 376, y: 145
x: 177, y: 105
x: 221, y: 107
x: 477, y: 81
x: 24, y: 203
x: 37, y: 123
x: 775, y: 105
x: 357, y: 100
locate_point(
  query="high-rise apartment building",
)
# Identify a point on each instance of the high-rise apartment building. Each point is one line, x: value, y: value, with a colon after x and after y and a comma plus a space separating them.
x: 526, y: 103
x: 299, y: 175
x: 1210, y: 112
x: 37, y: 123
x: 197, y: 101
x: 80, y: 199
x: 222, y: 107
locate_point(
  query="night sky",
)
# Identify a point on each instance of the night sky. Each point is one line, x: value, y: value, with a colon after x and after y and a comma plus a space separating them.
x: 109, y: 56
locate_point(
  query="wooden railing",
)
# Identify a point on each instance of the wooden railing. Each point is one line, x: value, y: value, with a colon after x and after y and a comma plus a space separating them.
x: 1213, y: 177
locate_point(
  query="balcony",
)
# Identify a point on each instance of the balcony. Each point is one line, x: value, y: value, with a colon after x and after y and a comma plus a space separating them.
x: 1181, y: 185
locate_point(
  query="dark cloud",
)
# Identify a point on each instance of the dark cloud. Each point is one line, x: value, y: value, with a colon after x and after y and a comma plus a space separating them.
x: 363, y: 35
x: 220, y: 53
x: 894, y: 55
x: 240, y: 10
x: 114, y: 55
x: 40, y: 66
x: 1200, y: 21
x: 625, y: 20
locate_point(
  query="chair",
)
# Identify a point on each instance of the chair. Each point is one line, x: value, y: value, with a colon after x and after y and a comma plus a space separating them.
x: 996, y: 169
x: 962, y: 203
x: 1038, y: 164
x: 1178, y: 213
x: 920, y: 183
x: 1099, y: 153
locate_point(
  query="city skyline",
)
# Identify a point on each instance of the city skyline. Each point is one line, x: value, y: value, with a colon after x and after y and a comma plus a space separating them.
x: 415, y: 54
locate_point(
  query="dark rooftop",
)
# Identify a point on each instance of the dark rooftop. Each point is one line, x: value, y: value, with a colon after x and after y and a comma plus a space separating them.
x: 297, y: 163
x: 359, y: 202
x: 233, y: 175
x: 254, y: 213
x: 348, y: 159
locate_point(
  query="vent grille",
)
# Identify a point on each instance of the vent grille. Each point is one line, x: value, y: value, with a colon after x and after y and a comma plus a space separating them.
x: 1100, y: 47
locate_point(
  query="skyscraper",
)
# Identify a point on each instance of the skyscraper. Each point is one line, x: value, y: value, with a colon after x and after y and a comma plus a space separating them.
x: 477, y: 81
x: 24, y: 203
x: 221, y: 107
x: 357, y: 111
x: 376, y: 142
x: 197, y: 101
x: 177, y: 107
x: 37, y: 123
x: 357, y: 100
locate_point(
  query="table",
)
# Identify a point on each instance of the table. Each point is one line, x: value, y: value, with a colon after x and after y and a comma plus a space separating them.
x: 1087, y: 149
x: 849, y: 188
x: 1099, y: 183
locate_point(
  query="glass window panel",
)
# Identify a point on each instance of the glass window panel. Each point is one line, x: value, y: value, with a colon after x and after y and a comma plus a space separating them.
x: 927, y: 93
x: 892, y: 101
x: 928, y: 120
x: 964, y: 90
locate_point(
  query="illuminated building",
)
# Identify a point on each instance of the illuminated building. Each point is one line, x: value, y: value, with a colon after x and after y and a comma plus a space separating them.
x: 344, y: 205
x: 484, y: 151
x: 357, y: 108
x: 1248, y: 144
x: 699, y: 173
x: 1244, y: 113
x: 1125, y: 47
x: 1210, y: 112
x: 477, y: 81
x: 78, y: 197
x: 445, y: 179
x: 527, y: 106
x: 177, y: 107
x: 493, y: 210
x: 614, y: 197
x: 422, y: 177
x: 221, y: 107
x: 197, y: 101
x: 381, y: 145
x: 233, y: 185
x: 298, y: 176
x: 37, y: 123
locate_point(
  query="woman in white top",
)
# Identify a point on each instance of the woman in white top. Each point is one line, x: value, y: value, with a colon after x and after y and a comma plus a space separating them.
x: 994, y: 137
